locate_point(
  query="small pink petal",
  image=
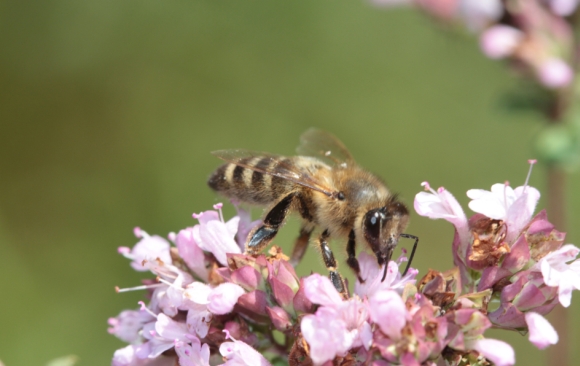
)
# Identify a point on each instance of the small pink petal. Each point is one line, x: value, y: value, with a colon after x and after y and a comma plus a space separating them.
x: 238, y: 353
x: 137, y: 232
x: 326, y: 334
x: 542, y: 333
x: 500, y: 41
x: 498, y: 352
x: 555, y: 73
x: 563, y: 8
x: 223, y: 298
x: 320, y: 290
x: 388, y: 310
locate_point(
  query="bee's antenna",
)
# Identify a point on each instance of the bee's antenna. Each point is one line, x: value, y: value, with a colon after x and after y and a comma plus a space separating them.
x: 408, y: 236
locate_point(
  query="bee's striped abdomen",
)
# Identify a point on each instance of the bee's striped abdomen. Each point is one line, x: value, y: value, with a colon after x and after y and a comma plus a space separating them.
x: 248, y: 185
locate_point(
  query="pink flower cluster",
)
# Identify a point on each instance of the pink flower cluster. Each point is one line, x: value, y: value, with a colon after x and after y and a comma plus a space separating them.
x: 212, y: 304
x: 188, y: 303
x: 506, y: 254
x: 536, y: 34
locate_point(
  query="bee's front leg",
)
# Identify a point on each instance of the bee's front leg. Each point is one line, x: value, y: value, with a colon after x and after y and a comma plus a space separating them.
x: 351, y: 251
x: 263, y: 235
x: 330, y: 264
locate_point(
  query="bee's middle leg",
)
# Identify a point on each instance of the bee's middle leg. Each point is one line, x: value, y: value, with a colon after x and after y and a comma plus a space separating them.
x: 274, y: 219
x: 301, y: 244
x: 330, y: 264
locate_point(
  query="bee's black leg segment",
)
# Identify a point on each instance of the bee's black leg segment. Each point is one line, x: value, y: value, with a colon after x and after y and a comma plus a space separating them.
x: 301, y: 244
x: 330, y: 264
x: 351, y: 260
x: 338, y: 282
x: 262, y: 236
x: 408, y: 236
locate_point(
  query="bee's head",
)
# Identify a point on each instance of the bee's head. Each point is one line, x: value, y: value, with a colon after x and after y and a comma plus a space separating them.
x: 382, y: 228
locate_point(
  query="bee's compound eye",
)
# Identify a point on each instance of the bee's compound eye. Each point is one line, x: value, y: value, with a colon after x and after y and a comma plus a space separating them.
x: 372, y: 224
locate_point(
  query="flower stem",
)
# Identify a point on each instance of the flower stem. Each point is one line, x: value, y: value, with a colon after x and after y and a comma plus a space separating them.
x: 559, y: 354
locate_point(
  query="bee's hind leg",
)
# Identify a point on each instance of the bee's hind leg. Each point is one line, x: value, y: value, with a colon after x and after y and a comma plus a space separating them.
x: 301, y: 244
x: 330, y: 264
x: 263, y: 235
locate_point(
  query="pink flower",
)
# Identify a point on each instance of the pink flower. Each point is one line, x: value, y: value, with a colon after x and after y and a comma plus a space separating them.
x: 542, y: 334
x: 555, y: 73
x: 514, y: 206
x: 441, y: 205
x: 245, y: 225
x: 128, y: 324
x: 498, y: 352
x: 192, y: 355
x: 344, y: 324
x: 168, y: 296
x: 126, y: 357
x: 217, y: 236
x: 500, y: 41
x: 372, y: 274
x: 477, y: 14
x: 238, y: 353
x: 563, y: 8
x: 388, y: 310
x: 558, y: 273
x: 162, y: 335
x: 326, y: 335
x: 320, y: 290
x: 202, y: 301
x: 148, y: 248
x: 223, y: 298
x: 190, y: 251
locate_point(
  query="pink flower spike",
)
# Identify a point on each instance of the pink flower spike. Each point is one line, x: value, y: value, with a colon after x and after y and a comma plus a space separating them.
x: 498, y: 352
x: 500, y: 41
x: 238, y: 353
x: 542, y: 333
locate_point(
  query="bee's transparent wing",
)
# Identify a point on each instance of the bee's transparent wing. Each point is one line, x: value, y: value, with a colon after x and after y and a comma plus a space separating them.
x: 325, y: 146
x: 280, y: 166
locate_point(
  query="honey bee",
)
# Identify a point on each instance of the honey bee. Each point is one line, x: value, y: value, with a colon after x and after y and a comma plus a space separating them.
x: 327, y: 188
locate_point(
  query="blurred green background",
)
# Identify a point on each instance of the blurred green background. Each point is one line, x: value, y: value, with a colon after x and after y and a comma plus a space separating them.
x: 109, y: 110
